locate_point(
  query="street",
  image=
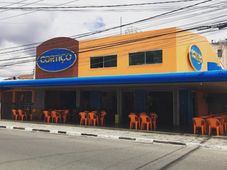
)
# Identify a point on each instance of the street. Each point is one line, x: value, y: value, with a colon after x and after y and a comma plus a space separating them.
x: 39, y: 150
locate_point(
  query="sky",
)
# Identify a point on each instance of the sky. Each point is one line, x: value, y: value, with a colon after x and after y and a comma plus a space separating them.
x: 21, y: 27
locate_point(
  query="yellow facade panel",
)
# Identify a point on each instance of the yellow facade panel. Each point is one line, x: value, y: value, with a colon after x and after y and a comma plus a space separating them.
x: 123, y: 45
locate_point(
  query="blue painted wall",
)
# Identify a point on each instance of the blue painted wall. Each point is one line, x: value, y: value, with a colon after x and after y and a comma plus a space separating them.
x: 211, y: 66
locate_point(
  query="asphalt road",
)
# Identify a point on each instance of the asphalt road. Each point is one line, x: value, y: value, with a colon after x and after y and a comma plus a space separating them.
x: 37, y: 150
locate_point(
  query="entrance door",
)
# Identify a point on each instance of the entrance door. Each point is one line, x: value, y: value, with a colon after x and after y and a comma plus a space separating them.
x: 100, y: 100
x: 138, y: 101
x: 162, y: 104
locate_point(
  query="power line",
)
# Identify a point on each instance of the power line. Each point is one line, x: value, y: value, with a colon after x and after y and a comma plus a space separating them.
x: 10, y: 4
x: 35, y: 10
x: 116, y: 27
x: 112, y: 44
x: 40, y: 8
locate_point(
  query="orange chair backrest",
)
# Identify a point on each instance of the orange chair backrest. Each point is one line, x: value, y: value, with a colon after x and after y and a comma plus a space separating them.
x: 66, y: 112
x: 224, y: 117
x: 83, y: 115
x: 14, y: 112
x: 20, y: 112
x: 46, y: 113
x: 53, y: 113
x: 133, y: 117
x: 92, y: 115
x: 144, y: 118
x: 103, y: 113
x: 154, y: 115
x: 213, y: 122
x: 198, y: 121
x: 143, y: 113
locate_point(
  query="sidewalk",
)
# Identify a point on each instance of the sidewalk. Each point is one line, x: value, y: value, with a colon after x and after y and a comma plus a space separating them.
x: 121, y: 134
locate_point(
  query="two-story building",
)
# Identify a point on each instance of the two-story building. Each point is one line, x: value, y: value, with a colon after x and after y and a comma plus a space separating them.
x: 170, y: 71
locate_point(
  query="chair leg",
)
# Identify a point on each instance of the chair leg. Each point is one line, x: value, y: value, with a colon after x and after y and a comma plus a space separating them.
x: 209, y: 131
x: 155, y: 125
x: 222, y: 130
x: 203, y: 133
x: 148, y: 125
x: 194, y: 129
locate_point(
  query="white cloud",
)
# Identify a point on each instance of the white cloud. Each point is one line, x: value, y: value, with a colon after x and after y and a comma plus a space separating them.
x: 96, y: 24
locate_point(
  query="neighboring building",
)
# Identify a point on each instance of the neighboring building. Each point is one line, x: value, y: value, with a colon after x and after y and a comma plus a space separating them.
x: 22, y: 77
x: 169, y: 71
x: 221, y: 50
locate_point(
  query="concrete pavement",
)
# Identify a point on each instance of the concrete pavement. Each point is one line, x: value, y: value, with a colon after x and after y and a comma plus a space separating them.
x: 35, y: 150
x: 121, y: 134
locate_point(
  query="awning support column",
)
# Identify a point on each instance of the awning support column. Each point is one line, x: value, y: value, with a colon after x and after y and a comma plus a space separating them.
x: 176, y: 108
x: 77, y: 98
x: 118, y: 115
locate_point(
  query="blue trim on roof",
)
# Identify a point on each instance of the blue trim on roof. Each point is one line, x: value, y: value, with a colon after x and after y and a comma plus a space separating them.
x: 183, y: 77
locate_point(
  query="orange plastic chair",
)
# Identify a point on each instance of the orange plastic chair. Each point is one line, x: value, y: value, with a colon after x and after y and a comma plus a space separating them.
x: 214, y: 123
x: 14, y: 114
x: 65, y: 115
x: 154, y: 117
x: 21, y: 114
x: 225, y: 123
x: 54, y: 116
x: 46, y: 116
x: 134, y: 121
x: 199, y: 122
x: 102, y: 117
x: 83, y: 118
x: 224, y: 117
x: 145, y: 121
x: 93, y: 118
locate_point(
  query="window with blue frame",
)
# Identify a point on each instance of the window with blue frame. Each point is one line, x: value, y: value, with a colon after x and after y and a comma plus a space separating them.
x: 145, y: 57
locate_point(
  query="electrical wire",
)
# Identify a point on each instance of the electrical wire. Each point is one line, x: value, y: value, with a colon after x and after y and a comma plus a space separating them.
x: 43, y: 8
x: 116, y: 27
x: 18, y: 15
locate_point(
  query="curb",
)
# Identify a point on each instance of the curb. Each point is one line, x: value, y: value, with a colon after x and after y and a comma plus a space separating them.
x: 103, y: 136
x: 126, y: 137
x: 169, y: 142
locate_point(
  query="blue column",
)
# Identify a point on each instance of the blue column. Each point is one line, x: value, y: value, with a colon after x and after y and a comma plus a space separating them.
x: 186, y: 107
x: 139, y: 101
x: 95, y: 99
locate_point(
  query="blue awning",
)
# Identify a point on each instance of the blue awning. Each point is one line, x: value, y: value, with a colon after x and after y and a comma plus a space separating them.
x: 164, y: 78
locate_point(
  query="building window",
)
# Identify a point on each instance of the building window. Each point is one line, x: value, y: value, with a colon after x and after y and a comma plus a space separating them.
x: 219, y: 53
x: 103, y: 61
x: 146, y: 57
